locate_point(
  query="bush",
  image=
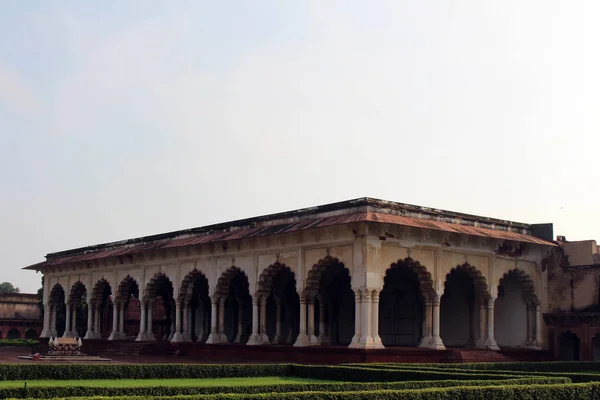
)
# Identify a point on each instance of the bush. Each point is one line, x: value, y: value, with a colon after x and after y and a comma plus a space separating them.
x: 19, y: 342
x: 547, y: 366
x: 20, y: 372
x: 585, y: 391
x: 53, y: 391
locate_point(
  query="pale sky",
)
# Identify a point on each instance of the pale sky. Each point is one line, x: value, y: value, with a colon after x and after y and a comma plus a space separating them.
x: 121, y: 119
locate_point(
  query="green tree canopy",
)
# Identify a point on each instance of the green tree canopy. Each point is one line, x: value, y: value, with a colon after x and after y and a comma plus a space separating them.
x: 7, y: 287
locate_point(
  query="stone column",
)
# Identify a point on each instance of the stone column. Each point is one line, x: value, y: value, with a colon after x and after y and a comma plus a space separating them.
x: 97, y: 330
x: 366, y: 338
x: 302, y: 339
x: 222, y: 335
x: 481, y: 340
x: 142, y: 335
x: 377, y: 343
x: 436, y: 342
x: 491, y: 342
x: 114, y: 335
x: 311, y: 322
x: 74, y: 332
x: 356, y: 338
x: 122, y: 321
x: 255, y: 337
x: 177, y: 336
x: 264, y: 338
x: 53, y: 320
x: 538, y: 327
x: 214, y: 334
x: 199, y: 322
x: 240, y: 321
x: 89, y: 334
x: 186, y: 322
x: 173, y: 318
x: 46, y: 331
x: 277, y: 339
x: 427, y: 319
x: 321, y: 336
x: 67, y: 332
x: 149, y: 319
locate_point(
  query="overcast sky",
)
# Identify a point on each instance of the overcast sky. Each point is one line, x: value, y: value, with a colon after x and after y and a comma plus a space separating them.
x: 121, y: 119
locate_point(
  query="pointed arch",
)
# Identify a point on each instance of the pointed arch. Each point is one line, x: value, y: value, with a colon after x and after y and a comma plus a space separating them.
x: 224, y: 282
x: 101, y: 292
x: 479, y: 282
x: 127, y: 288
x: 57, y: 294
x: 527, y: 284
x: 77, y: 293
x: 318, y: 271
x: 195, y: 290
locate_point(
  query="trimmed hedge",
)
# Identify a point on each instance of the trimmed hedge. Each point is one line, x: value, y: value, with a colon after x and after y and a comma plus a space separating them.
x: 53, y: 391
x: 545, y: 366
x: 20, y: 372
x: 19, y: 342
x: 582, y: 391
x: 363, y: 374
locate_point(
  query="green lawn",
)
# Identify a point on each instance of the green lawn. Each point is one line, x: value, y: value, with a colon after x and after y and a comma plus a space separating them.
x: 270, y: 380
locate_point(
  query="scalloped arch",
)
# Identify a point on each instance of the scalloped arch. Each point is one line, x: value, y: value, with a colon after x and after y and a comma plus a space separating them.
x: 265, y: 281
x: 154, y: 284
x: 187, y: 285
x: 224, y: 282
x: 125, y: 287
x: 529, y: 292
x: 77, y: 290
x: 424, y: 276
x: 479, y: 281
x: 57, y: 292
x: 99, y: 289
x: 313, y: 280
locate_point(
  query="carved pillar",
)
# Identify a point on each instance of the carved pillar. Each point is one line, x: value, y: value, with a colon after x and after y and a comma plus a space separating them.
x: 47, y: 330
x: 214, y: 333
x: 222, y: 335
x: 311, y: 322
x: 481, y: 340
x: 491, y: 342
x: 366, y: 338
x: 142, y: 335
x: 538, y: 326
x: 357, y: 333
x: 263, y: 320
x: 74, y: 332
x: 322, y: 335
x: 436, y: 342
x: 427, y: 319
x: 149, y: 319
x: 240, y: 321
x: 177, y: 336
x: 255, y: 337
x: 302, y: 339
x: 97, y: 331
x: 67, y: 332
x: 186, y: 321
x: 277, y: 339
x: 115, y: 327
x: 53, y: 320
x: 377, y: 343
x: 89, y: 333
x: 122, y: 321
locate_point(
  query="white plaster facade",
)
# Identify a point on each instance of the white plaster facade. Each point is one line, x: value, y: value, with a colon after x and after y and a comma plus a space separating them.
x: 439, y: 262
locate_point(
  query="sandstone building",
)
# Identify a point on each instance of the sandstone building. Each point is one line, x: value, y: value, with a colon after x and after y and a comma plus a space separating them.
x: 365, y: 273
x: 19, y: 316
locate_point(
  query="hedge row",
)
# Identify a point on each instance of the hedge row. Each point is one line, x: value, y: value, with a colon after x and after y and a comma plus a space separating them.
x: 546, y: 366
x: 85, y: 391
x: 577, y: 377
x: 363, y: 374
x: 19, y: 372
x: 19, y: 342
x: 582, y: 391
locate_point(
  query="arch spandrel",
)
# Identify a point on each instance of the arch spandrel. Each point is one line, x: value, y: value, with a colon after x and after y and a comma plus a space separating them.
x: 450, y: 260
x: 312, y: 257
x: 503, y: 267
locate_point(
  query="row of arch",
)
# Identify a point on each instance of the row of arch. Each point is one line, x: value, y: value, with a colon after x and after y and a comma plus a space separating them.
x: 325, y: 311
x: 14, y: 333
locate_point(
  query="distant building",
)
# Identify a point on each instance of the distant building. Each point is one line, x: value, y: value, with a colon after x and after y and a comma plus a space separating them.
x: 19, y: 316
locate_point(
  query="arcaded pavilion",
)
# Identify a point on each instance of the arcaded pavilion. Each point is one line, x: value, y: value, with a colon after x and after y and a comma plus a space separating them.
x: 363, y: 274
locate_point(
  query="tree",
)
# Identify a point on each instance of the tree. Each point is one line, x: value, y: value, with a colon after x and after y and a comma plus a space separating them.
x: 7, y: 287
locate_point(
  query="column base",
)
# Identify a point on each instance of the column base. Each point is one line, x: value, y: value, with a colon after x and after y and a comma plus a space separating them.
x: 223, y: 338
x: 177, y: 338
x: 46, y: 333
x: 313, y: 340
x: 53, y: 333
x: 264, y: 339
x: 276, y: 339
x: 89, y: 335
x: 254, y: 340
x: 213, y: 338
x: 141, y: 337
x: 354, y: 342
x: 480, y: 344
x: 490, y: 344
x: 238, y: 338
x: 302, y: 340
x: 425, y: 341
x: 67, y: 335
x: 114, y: 336
x: 437, y: 344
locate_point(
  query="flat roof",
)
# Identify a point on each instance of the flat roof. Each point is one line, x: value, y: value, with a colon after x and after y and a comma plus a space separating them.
x: 363, y: 209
